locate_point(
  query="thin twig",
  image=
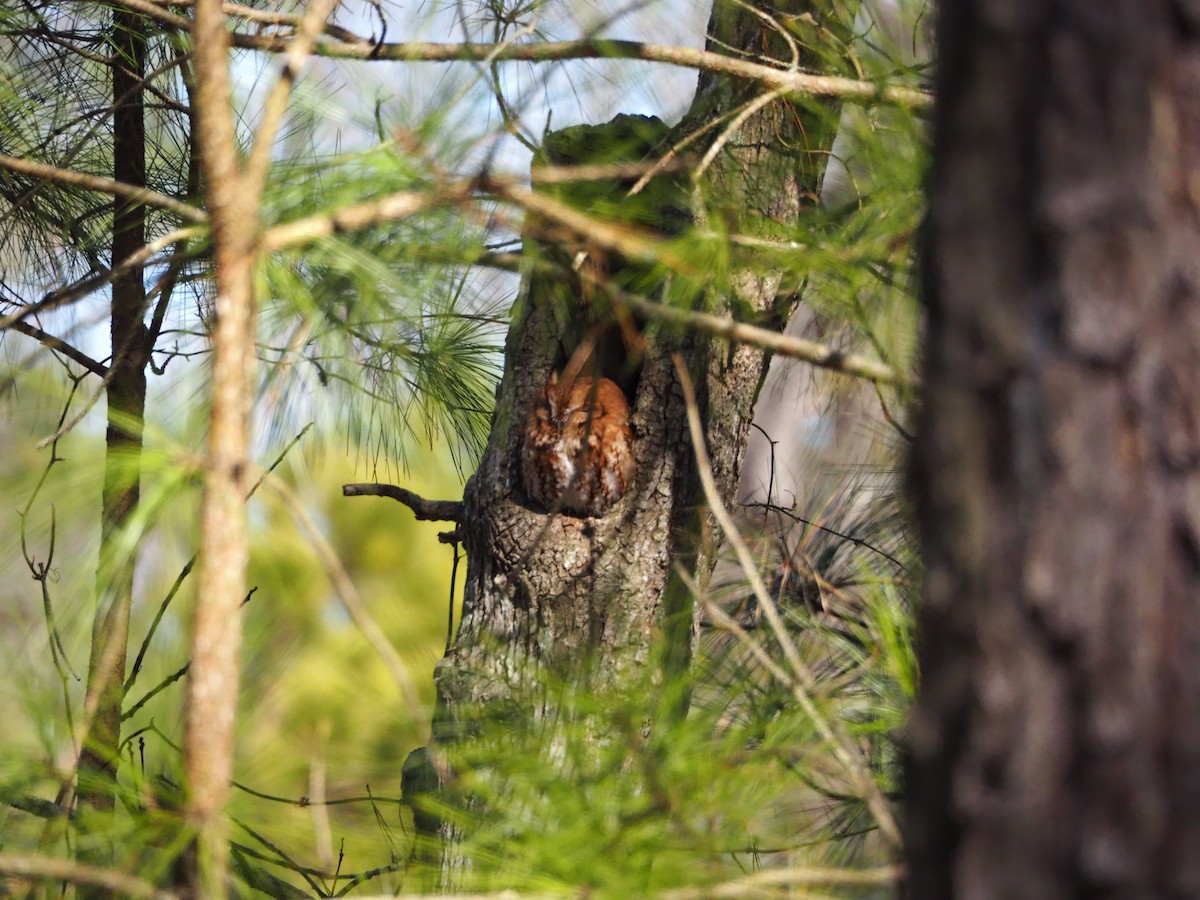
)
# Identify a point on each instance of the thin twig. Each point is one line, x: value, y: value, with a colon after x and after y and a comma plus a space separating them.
x: 64, y: 427
x: 857, y: 541
x: 41, y: 571
x: 300, y: 802
x: 758, y: 103
x: 890, y: 419
x: 157, y: 689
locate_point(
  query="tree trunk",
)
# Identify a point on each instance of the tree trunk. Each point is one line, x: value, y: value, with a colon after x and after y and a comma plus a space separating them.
x: 214, y: 676
x: 1055, y: 751
x: 551, y: 597
x: 126, y: 395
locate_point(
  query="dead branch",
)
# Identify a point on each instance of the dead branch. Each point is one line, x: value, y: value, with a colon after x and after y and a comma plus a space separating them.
x: 425, y: 510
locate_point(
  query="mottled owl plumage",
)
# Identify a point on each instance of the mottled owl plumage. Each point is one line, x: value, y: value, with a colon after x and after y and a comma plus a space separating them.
x: 577, y: 451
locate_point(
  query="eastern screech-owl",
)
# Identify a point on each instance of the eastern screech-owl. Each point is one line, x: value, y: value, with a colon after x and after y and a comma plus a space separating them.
x: 577, y: 455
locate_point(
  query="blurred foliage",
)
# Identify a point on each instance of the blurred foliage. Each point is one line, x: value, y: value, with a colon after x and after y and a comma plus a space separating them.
x: 315, y: 697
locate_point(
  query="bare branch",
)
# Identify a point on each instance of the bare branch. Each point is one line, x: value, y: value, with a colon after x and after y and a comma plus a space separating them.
x: 33, y: 865
x: 785, y: 345
x: 359, y: 215
x: 113, y: 188
x: 60, y: 346
x: 794, y: 84
x: 425, y: 510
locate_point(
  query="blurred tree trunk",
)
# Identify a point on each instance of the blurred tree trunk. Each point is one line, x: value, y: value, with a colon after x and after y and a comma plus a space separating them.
x: 551, y: 597
x: 1056, y: 747
x: 126, y: 398
x: 232, y: 198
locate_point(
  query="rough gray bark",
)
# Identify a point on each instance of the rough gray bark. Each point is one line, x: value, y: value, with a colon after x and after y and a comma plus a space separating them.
x: 549, y: 594
x: 1056, y: 747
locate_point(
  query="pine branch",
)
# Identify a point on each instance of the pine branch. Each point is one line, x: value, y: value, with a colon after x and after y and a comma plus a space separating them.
x: 254, y: 175
x: 83, y: 287
x: 132, y: 193
x: 811, y: 352
x: 790, y: 82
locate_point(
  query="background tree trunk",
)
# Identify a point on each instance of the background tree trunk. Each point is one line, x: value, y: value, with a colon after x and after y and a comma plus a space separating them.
x: 1056, y: 747
x: 554, y: 596
x: 126, y: 396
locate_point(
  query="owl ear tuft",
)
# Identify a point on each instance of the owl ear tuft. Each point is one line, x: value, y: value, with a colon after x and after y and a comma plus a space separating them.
x: 551, y: 393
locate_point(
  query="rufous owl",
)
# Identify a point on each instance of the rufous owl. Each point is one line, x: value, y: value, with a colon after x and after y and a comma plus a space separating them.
x: 577, y: 452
